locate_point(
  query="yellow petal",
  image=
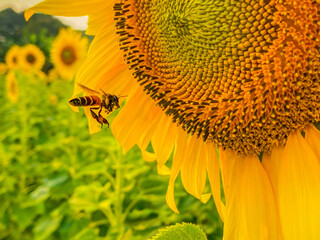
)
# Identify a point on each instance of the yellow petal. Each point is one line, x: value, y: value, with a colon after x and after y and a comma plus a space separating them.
x: 143, y: 143
x: 102, y: 16
x: 164, y: 170
x: 271, y: 165
x: 94, y: 126
x: 194, y: 171
x: 178, y: 160
x: 104, y: 67
x: 134, y: 119
x: 148, y: 156
x: 205, y: 197
x: 313, y: 139
x: 227, y: 167
x: 295, y: 170
x: 67, y: 8
x: 163, y: 139
x: 214, y: 177
x: 250, y: 205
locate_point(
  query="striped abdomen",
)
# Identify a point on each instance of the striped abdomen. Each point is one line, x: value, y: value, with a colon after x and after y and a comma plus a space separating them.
x: 85, y: 101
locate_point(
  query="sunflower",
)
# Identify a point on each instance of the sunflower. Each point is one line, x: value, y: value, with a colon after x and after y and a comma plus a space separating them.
x: 31, y: 58
x: 12, y: 57
x: 239, y: 76
x: 12, y: 87
x: 68, y: 51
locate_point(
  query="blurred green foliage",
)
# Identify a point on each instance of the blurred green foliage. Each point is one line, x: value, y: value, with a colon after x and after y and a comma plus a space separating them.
x: 59, y: 182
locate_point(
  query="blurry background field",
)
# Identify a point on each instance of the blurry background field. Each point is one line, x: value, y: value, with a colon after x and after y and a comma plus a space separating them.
x: 59, y: 182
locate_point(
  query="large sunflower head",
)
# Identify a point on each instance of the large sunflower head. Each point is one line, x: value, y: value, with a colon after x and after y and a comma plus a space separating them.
x: 12, y: 87
x: 240, y: 76
x: 68, y: 51
x: 12, y: 57
x: 31, y: 58
x: 244, y: 75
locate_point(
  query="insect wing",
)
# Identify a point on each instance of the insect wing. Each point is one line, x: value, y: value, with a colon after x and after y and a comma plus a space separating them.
x: 106, y: 94
x: 88, y: 89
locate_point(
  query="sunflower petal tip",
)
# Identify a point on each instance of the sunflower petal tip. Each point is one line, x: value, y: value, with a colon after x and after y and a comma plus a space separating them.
x: 28, y: 14
x: 93, y: 130
x: 204, y: 198
x: 163, y: 170
x: 176, y: 211
x: 170, y: 199
x: 124, y: 150
x: 148, y: 156
x: 174, y: 208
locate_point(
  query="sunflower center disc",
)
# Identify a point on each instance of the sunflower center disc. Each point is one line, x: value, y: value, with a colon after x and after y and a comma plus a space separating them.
x: 243, y: 74
x: 68, y: 55
x: 30, y: 58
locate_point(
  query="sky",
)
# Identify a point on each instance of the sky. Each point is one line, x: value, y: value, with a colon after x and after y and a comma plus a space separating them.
x: 79, y: 23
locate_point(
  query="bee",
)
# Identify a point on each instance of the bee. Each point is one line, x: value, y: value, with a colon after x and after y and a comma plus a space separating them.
x: 97, y: 102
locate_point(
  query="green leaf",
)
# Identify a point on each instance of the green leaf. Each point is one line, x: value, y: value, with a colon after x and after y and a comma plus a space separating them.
x: 180, y: 231
x: 56, y: 180
x: 39, y: 194
x: 87, y: 234
x: 92, y: 169
x: 47, y: 224
x: 86, y: 197
x: 24, y: 216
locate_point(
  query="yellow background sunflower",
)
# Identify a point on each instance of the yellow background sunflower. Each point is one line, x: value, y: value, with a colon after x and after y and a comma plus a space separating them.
x: 12, y: 57
x: 31, y: 58
x: 12, y: 87
x: 68, y: 51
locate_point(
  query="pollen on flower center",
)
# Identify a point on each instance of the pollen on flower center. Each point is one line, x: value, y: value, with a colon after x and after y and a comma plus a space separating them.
x: 243, y: 74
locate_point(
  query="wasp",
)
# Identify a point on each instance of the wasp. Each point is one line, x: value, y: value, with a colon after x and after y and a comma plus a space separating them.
x: 97, y: 102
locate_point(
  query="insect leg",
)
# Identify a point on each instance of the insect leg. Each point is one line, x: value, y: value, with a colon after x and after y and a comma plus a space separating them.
x: 100, y: 119
x: 99, y: 113
x: 106, y: 122
x: 94, y: 115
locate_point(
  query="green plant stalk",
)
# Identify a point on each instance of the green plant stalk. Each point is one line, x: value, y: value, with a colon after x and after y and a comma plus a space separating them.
x: 131, y: 206
x: 110, y: 216
x: 74, y: 145
x: 23, y: 157
x: 98, y: 223
x: 3, y: 156
x: 119, y: 200
x: 24, y: 116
